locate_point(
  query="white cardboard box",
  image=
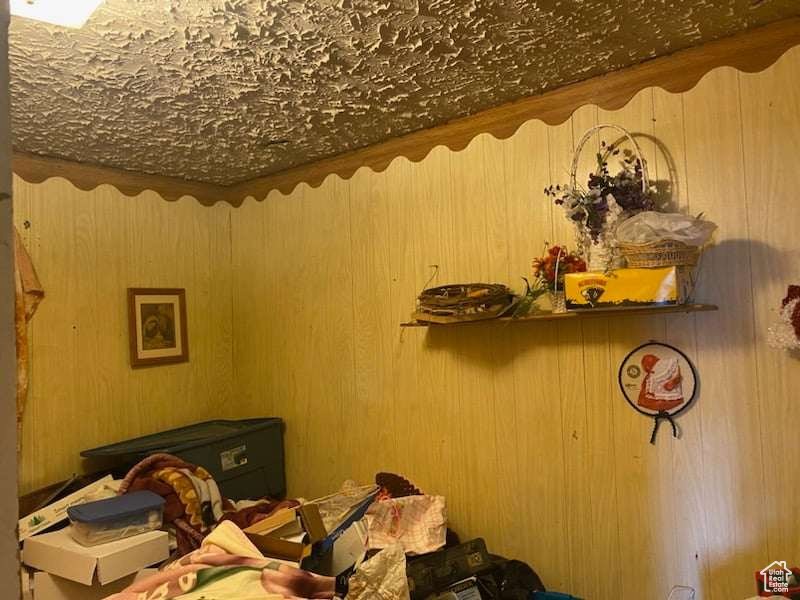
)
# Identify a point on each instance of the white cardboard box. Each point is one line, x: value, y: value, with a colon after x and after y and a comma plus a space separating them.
x: 57, y: 511
x: 51, y: 587
x: 58, y: 554
x: 349, y: 548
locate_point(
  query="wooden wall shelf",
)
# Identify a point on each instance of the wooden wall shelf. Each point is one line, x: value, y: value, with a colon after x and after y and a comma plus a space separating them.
x: 587, y: 314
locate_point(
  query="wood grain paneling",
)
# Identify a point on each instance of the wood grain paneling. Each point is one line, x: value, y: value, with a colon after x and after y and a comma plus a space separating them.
x: 88, y: 247
x: 770, y: 109
x: 733, y: 480
x: 294, y: 306
x: 522, y: 426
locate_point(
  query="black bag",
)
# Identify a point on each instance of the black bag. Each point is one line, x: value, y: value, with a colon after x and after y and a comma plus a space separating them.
x: 435, y: 572
x: 509, y: 580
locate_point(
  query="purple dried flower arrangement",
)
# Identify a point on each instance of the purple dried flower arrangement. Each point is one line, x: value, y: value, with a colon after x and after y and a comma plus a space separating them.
x: 608, y: 198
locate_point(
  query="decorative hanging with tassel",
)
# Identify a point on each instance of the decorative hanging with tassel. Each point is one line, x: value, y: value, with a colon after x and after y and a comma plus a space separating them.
x: 659, y: 381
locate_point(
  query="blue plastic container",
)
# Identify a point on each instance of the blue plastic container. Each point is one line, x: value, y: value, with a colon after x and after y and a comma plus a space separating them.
x: 116, y: 518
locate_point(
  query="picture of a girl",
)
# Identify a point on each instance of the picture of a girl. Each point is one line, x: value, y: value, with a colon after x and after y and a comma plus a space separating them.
x: 661, y: 387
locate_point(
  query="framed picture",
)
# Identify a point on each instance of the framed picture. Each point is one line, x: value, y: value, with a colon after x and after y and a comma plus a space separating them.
x: 157, y: 326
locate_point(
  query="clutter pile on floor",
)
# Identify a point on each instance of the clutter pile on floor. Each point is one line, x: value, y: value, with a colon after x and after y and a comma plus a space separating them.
x: 386, y: 541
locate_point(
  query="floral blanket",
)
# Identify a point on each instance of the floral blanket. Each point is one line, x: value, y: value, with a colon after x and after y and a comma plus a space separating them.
x: 227, y: 566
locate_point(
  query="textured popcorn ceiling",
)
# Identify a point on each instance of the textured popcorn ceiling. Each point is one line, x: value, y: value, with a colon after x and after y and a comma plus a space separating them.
x: 223, y: 91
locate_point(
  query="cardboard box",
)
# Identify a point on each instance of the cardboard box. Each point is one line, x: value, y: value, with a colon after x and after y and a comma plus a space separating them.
x: 51, y: 587
x: 312, y: 522
x: 58, y: 554
x: 349, y: 548
x: 628, y: 288
x: 356, y: 513
x: 26, y: 582
x: 289, y: 533
x: 54, y: 513
x: 291, y: 521
x: 277, y: 520
x: 291, y: 551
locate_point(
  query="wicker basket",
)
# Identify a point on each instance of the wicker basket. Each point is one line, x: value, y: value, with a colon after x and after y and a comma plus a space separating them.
x: 603, y: 255
x: 663, y: 253
x: 573, y: 171
x: 463, y: 302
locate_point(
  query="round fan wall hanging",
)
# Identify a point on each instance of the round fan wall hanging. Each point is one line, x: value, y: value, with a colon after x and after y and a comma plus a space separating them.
x: 658, y: 381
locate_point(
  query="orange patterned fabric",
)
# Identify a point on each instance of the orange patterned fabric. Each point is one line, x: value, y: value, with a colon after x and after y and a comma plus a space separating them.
x: 186, y: 492
x: 28, y: 294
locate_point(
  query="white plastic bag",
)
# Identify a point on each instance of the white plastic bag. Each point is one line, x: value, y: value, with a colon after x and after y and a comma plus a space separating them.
x: 335, y: 508
x: 382, y: 577
x: 418, y: 523
x: 653, y: 226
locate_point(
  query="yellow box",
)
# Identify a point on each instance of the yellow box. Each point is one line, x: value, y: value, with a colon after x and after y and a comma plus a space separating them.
x: 628, y: 288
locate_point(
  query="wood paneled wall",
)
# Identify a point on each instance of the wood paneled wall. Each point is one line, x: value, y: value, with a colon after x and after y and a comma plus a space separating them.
x: 522, y: 426
x: 88, y: 247
x: 294, y: 310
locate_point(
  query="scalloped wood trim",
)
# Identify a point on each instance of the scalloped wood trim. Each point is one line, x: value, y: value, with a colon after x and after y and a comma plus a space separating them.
x: 34, y: 168
x: 751, y: 51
